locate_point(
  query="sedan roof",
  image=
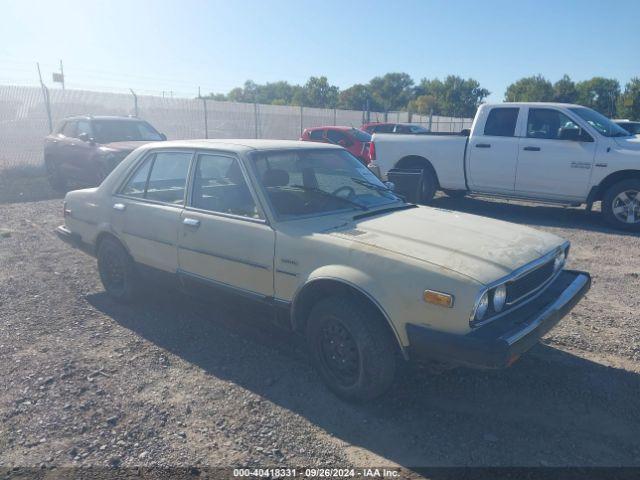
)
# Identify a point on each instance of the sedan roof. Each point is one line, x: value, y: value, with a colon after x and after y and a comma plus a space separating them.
x: 242, y: 144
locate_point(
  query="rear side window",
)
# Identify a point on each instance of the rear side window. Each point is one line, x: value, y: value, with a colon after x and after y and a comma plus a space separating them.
x: 162, y: 178
x: 501, y: 122
x: 334, y: 136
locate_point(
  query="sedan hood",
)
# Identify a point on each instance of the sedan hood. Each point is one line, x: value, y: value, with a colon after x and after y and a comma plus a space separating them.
x: 478, y: 247
x: 124, y: 146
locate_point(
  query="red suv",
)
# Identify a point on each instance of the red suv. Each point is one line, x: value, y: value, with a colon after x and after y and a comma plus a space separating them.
x: 354, y: 140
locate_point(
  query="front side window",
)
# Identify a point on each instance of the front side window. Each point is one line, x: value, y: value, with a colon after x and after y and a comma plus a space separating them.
x: 316, y: 181
x: 107, y: 131
x: 551, y: 125
x: 162, y: 177
x: 501, y: 122
x: 335, y: 136
x: 360, y: 135
x: 219, y: 186
x: 84, y: 126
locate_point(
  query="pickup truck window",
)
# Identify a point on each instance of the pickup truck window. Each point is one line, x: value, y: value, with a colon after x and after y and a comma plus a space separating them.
x: 601, y: 123
x: 551, y: 125
x: 219, y: 186
x: 501, y: 122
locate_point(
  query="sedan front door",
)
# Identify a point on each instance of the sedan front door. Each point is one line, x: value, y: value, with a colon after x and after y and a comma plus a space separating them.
x: 224, y: 240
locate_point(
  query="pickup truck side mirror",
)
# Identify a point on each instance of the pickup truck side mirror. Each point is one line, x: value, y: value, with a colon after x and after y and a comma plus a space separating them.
x: 84, y: 136
x: 574, y: 135
x: 163, y: 137
x: 465, y: 132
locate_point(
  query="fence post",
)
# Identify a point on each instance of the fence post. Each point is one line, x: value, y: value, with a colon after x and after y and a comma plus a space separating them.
x: 206, y: 119
x: 430, y: 118
x: 335, y: 116
x: 135, y: 101
x: 255, y: 119
x: 45, y: 97
x: 301, y: 119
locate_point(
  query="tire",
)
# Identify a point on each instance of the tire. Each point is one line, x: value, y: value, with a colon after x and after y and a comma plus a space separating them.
x: 117, y: 271
x: 428, y: 185
x: 455, y: 193
x: 621, y: 205
x: 54, y: 177
x: 351, y: 348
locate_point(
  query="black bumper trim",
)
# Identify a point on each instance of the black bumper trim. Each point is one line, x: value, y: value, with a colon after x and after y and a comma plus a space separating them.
x: 498, y: 344
x: 73, y: 239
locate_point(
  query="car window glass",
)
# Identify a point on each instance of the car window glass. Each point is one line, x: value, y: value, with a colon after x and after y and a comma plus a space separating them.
x: 551, y: 124
x: 69, y: 129
x: 136, y: 185
x: 107, y: 131
x: 335, y: 136
x: 315, y: 135
x: 501, y: 122
x: 83, y: 127
x: 219, y: 186
x: 385, y: 128
x: 168, y: 177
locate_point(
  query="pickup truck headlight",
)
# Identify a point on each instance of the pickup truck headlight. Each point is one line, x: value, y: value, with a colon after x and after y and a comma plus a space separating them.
x: 499, y: 297
x: 481, y: 307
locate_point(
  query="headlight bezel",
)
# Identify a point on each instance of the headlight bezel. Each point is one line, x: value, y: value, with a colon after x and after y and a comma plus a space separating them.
x: 491, y: 313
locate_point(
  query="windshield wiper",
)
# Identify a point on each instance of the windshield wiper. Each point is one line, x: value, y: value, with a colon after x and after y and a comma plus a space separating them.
x: 330, y: 195
x: 372, y: 186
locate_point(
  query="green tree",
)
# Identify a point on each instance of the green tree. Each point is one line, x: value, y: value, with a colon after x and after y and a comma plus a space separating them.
x: 355, y: 98
x: 455, y: 96
x: 317, y: 92
x: 599, y: 93
x: 629, y: 101
x: 530, y: 89
x: 423, y: 104
x: 393, y: 91
x: 565, y: 91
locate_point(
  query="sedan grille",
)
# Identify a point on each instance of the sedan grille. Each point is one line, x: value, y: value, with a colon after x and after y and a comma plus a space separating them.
x: 529, y: 283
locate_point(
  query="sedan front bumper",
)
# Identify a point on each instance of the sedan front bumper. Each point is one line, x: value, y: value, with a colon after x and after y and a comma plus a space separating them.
x: 499, y: 343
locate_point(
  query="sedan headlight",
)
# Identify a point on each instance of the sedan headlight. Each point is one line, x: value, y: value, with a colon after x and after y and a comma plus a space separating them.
x: 482, y: 307
x: 499, y: 297
x: 559, y: 261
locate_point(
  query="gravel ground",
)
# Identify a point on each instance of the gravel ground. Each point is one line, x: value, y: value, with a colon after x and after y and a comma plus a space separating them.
x: 89, y: 382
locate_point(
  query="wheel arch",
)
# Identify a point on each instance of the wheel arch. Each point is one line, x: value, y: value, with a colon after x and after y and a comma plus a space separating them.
x: 417, y: 162
x: 321, y: 287
x: 598, y: 192
x: 102, y: 235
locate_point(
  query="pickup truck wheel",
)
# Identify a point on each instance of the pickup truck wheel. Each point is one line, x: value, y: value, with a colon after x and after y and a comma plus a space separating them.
x: 621, y: 205
x: 55, y: 179
x: 428, y: 185
x: 351, y: 349
x: 117, y: 271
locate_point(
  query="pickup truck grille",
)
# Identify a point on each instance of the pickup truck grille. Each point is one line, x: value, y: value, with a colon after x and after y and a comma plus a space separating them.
x: 528, y: 283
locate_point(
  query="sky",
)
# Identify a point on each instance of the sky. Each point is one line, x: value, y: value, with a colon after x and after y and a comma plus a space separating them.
x: 178, y: 46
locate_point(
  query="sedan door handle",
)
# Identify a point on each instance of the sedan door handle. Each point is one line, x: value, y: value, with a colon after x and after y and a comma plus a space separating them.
x: 532, y: 149
x: 121, y: 207
x: 191, y: 222
x: 483, y: 145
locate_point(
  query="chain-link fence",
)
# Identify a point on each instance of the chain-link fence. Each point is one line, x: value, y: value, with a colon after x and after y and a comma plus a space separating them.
x: 26, y: 118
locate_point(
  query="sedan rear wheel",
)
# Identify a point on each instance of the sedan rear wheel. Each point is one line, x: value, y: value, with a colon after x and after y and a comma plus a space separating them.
x: 117, y: 270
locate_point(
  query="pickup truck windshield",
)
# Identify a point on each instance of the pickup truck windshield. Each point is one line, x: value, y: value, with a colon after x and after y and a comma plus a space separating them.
x: 601, y: 123
x: 107, y: 131
x: 312, y: 182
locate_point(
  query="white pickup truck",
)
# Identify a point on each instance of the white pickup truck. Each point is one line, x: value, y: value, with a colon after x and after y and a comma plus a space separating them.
x: 550, y: 152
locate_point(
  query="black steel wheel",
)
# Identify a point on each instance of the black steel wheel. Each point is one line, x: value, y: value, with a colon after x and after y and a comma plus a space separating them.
x: 117, y: 270
x: 352, y: 349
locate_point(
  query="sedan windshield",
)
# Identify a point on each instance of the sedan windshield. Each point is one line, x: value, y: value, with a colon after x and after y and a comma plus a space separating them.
x: 107, y: 131
x: 601, y: 123
x: 312, y: 182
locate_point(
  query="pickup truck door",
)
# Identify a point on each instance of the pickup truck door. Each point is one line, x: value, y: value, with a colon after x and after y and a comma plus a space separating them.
x: 224, y: 241
x: 493, y: 152
x: 556, y: 157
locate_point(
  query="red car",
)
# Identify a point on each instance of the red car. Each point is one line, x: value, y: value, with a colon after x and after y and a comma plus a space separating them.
x: 352, y: 139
